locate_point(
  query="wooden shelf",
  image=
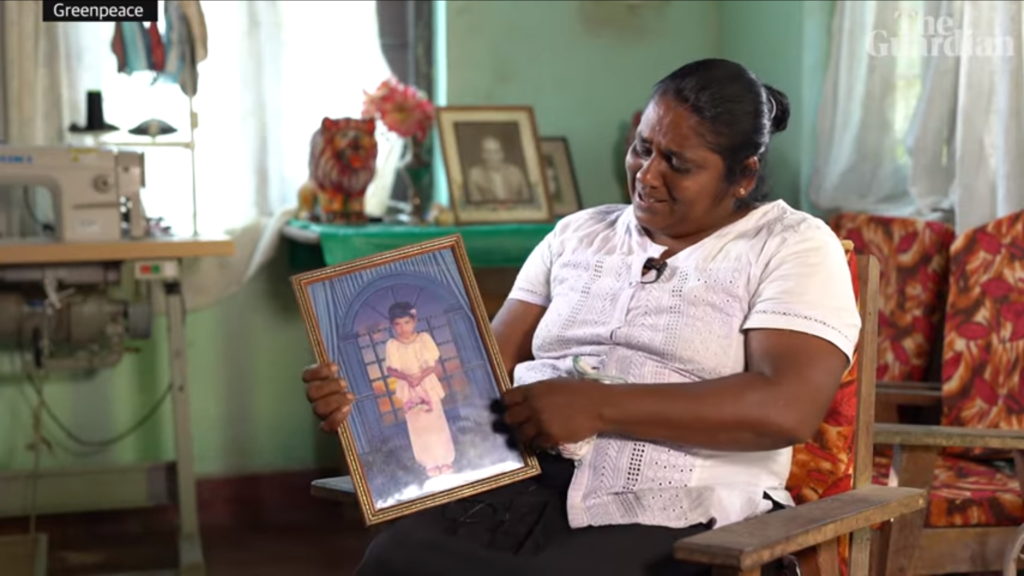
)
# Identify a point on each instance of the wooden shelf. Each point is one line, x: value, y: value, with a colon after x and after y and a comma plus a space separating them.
x: 51, y: 252
x: 148, y: 144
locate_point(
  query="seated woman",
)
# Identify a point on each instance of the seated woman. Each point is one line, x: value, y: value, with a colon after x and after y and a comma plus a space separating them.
x: 732, y: 318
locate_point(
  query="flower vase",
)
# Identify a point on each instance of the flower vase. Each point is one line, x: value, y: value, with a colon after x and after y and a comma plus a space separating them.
x: 412, y: 192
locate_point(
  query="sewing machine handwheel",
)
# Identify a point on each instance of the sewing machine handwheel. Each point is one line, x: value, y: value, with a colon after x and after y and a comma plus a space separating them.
x: 102, y: 183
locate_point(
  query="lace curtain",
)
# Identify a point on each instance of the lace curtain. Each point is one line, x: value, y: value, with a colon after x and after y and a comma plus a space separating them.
x: 921, y: 112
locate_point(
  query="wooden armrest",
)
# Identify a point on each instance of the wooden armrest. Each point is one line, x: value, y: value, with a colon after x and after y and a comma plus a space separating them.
x: 753, y: 543
x: 948, y: 436
x: 339, y: 488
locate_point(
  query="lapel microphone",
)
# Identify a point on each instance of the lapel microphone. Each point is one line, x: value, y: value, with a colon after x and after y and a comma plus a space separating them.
x: 655, y: 264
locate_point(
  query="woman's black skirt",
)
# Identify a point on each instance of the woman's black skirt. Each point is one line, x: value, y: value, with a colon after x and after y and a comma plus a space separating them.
x: 522, y: 529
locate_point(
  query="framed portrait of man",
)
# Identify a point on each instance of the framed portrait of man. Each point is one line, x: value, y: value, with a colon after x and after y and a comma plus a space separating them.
x: 408, y: 331
x: 494, y: 166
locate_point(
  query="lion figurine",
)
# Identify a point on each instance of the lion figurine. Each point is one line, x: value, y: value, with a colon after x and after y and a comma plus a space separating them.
x: 342, y: 163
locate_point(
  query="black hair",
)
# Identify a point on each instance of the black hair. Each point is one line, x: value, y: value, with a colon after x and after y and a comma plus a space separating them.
x: 738, y: 112
x: 401, y: 310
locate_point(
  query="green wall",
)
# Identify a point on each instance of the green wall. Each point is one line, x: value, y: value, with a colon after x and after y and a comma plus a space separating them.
x: 584, y: 67
x: 786, y: 45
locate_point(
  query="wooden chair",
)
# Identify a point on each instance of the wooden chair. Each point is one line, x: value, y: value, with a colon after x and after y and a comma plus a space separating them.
x: 975, y: 505
x: 814, y: 530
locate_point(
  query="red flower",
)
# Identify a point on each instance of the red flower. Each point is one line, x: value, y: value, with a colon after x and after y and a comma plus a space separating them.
x: 972, y: 330
x: 989, y: 243
x: 951, y: 365
x: 996, y: 288
x: 1013, y: 310
x: 906, y: 242
x: 900, y: 352
x: 883, y: 321
x: 857, y: 237
x: 986, y: 393
x: 403, y: 109
x: 923, y: 326
x: 844, y: 407
x: 842, y: 484
x: 1018, y: 330
x: 820, y: 453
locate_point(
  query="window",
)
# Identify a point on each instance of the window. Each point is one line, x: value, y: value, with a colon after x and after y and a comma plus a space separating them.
x: 274, y: 69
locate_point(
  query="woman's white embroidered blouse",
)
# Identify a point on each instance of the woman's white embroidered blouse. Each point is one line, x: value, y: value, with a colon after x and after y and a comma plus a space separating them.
x: 774, y: 268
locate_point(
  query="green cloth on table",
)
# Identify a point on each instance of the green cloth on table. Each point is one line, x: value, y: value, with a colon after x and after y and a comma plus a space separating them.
x: 487, y: 245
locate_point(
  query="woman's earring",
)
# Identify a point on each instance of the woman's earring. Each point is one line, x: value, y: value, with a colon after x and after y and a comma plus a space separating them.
x: 743, y: 192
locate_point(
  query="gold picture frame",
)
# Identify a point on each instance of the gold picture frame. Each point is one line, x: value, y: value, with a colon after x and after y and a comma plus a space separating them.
x: 408, y: 330
x: 563, y: 190
x: 493, y: 164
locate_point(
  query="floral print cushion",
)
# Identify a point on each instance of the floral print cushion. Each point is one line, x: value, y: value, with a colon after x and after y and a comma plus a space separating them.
x: 983, y: 371
x: 968, y: 492
x: 914, y: 259
x: 823, y: 466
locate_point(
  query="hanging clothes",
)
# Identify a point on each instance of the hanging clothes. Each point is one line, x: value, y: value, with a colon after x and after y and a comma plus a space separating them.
x: 131, y: 46
x: 197, y: 26
x: 174, y: 55
x: 157, y: 53
x: 117, y: 46
x: 181, y: 45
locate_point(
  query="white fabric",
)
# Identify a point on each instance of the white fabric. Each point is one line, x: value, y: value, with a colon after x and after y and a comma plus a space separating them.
x: 964, y: 140
x: 774, y: 268
x: 989, y: 121
x: 931, y: 129
x: 33, y: 52
x: 266, y: 82
x: 856, y: 168
x: 34, y: 113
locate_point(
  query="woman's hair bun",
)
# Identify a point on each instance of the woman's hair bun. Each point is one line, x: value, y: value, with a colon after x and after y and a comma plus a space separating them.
x: 779, y: 103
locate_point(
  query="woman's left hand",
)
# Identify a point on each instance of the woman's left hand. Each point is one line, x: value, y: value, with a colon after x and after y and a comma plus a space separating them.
x: 552, y: 412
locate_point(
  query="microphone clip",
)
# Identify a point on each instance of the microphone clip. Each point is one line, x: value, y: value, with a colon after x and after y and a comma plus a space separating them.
x: 656, y: 265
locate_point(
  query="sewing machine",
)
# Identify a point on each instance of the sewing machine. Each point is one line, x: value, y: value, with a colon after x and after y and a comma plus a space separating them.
x: 95, y: 193
x: 72, y: 303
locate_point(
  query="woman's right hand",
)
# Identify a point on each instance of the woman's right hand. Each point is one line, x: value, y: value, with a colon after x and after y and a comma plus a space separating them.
x: 328, y: 394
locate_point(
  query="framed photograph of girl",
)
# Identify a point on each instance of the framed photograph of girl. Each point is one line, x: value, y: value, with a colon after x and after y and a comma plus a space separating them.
x: 407, y: 329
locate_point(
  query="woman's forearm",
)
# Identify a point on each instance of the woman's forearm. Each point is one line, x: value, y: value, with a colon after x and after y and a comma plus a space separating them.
x: 743, y: 412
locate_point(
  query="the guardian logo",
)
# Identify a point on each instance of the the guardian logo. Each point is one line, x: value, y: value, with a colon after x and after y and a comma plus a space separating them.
x: 922, y: 35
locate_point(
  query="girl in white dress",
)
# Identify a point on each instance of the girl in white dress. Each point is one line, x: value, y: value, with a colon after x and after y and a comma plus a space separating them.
x: 412, y: 358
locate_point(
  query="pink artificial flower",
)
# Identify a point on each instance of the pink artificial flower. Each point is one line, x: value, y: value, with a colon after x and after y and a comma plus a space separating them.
x: 403, y: 109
